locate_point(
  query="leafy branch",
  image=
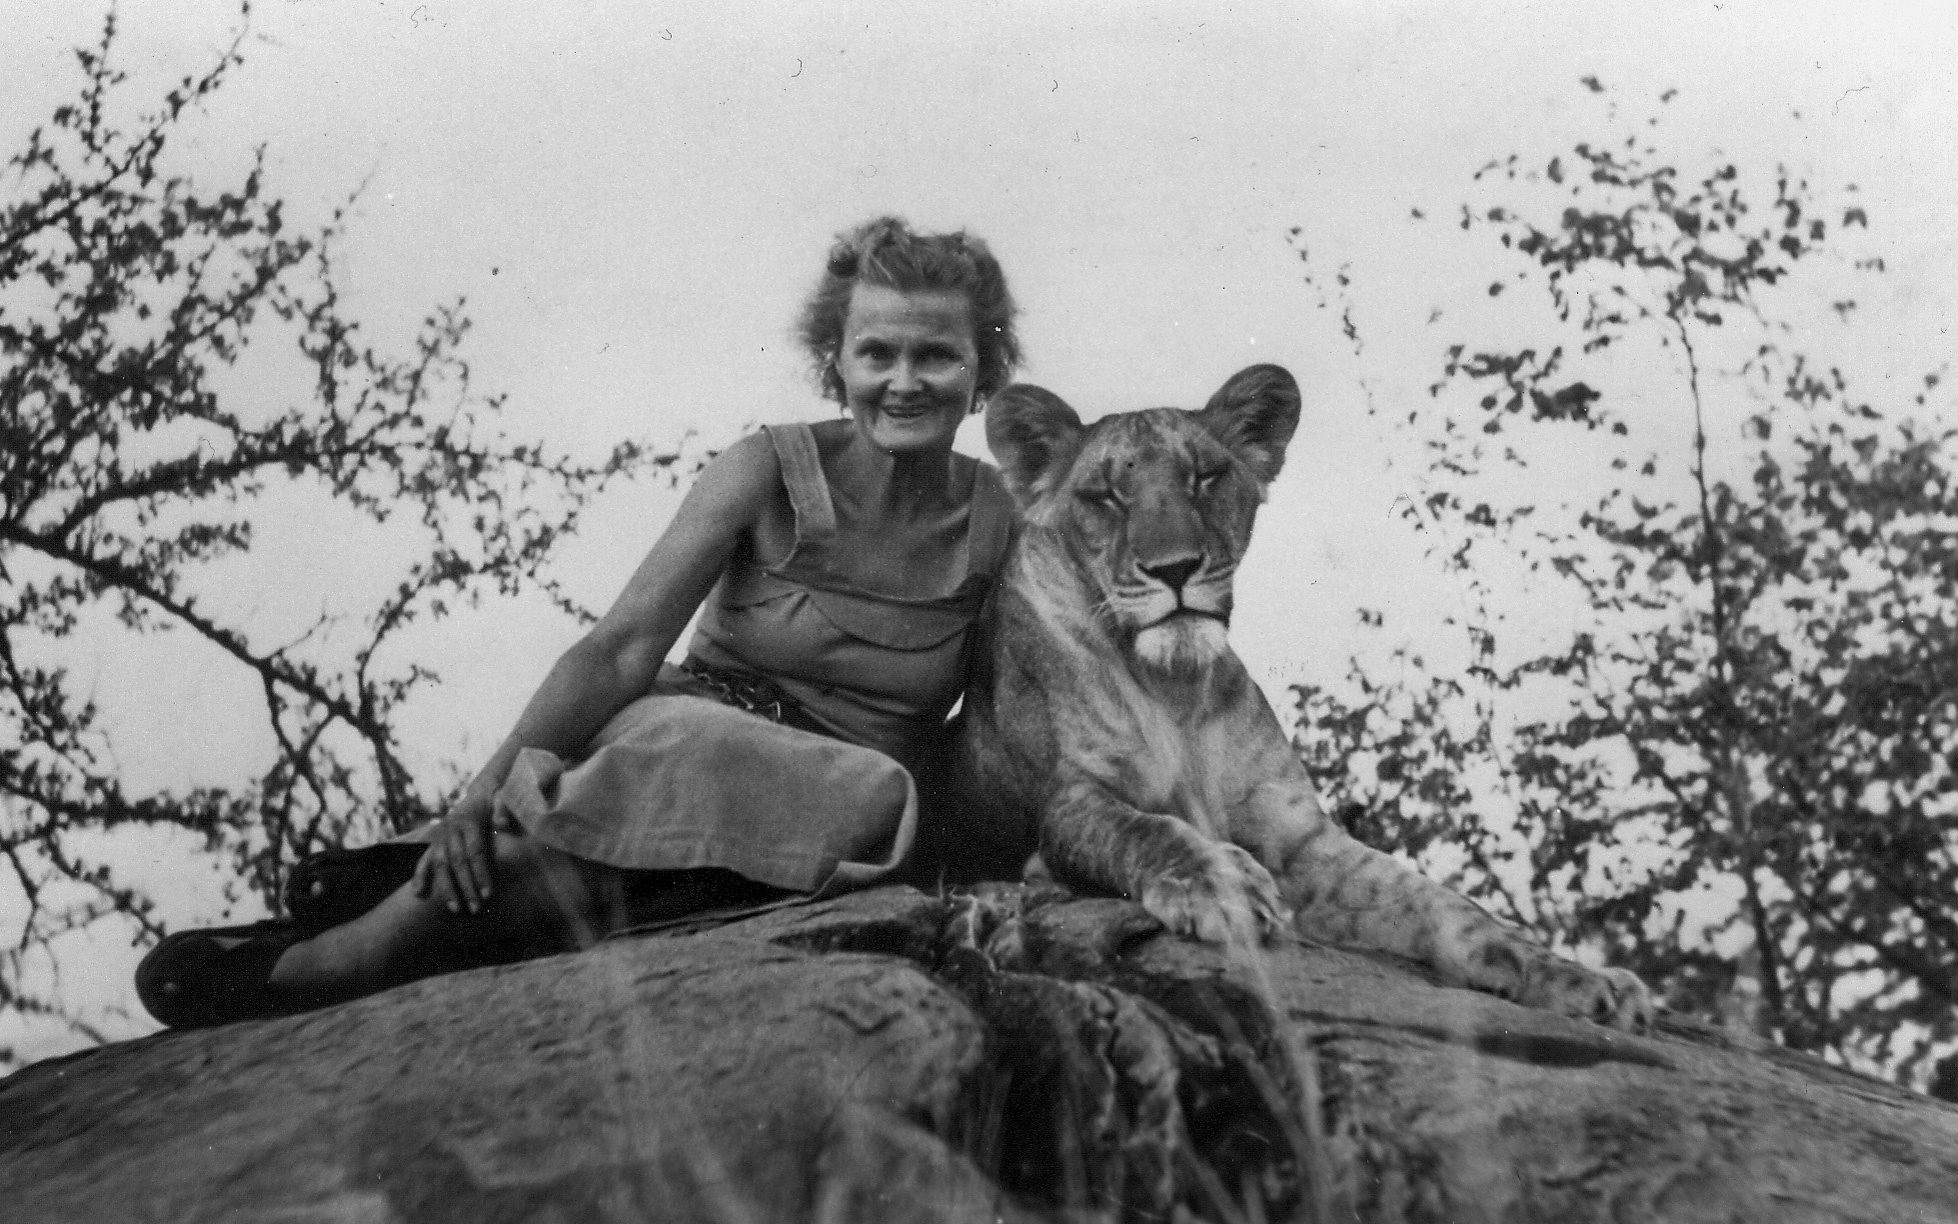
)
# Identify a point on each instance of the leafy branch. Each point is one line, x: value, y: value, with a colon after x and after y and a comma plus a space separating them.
x: 1737, y: 767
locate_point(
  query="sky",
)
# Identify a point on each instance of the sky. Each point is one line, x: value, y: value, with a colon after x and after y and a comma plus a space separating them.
x: 634, y: 198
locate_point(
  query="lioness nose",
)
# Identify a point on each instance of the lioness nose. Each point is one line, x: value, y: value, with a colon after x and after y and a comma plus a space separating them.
x: 1173, y: 574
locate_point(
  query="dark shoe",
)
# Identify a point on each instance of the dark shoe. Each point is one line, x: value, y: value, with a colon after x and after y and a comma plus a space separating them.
x: 336, y: 886
x: 198, y: 978
x: 657, y: 900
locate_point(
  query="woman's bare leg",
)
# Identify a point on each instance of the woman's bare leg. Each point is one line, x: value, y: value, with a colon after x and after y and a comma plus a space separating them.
x: 545, y: 901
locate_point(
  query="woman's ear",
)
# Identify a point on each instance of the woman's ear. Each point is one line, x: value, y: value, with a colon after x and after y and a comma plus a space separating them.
x: 833, y: 380
x: 1034, y: 435
x: 1254, y: 414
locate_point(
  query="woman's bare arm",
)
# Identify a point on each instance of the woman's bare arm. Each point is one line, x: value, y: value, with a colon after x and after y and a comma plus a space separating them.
x: 616, y: 662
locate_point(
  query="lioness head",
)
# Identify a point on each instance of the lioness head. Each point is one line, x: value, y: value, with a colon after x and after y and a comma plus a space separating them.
x: 1152, y: 509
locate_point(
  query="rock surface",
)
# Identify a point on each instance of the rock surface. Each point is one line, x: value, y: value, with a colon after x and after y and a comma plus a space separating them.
x: 1014, y: 1055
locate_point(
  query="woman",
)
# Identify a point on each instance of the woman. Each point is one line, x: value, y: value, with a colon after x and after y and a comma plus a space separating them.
x: 844, y: 561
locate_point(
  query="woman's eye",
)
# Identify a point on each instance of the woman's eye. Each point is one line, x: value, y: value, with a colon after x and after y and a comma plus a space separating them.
x: 1101, y: 495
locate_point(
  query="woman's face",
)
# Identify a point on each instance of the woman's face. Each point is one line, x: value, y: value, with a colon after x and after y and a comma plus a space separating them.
x: 910, y: 366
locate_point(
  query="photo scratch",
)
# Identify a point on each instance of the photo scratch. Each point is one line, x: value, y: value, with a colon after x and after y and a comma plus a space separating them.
x: 1845, y: 95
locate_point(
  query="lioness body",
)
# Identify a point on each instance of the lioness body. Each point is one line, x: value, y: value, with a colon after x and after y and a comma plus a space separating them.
x: 1108, y: 720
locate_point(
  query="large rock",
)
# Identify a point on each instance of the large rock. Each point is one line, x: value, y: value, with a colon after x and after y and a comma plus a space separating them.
x: 892, y: 1056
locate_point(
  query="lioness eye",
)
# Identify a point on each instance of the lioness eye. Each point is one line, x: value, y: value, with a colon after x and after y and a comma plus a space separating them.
x: 1207, y: 480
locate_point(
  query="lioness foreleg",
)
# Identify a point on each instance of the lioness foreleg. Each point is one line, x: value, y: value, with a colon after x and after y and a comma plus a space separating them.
x: 1210, y: 890
x: 1347, y: 893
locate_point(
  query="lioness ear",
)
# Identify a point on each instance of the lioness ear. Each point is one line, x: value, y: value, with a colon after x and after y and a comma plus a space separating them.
x: 1034, y: 435
x: 1254, y: 414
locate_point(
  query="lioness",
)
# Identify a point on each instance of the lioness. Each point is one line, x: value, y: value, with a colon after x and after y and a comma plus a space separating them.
x: 1108, y: 717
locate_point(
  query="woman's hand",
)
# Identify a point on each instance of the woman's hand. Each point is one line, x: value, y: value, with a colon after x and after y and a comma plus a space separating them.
x: 457, y: 871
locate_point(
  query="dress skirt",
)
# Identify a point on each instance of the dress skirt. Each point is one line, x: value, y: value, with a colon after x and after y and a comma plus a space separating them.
x: 678, y: 781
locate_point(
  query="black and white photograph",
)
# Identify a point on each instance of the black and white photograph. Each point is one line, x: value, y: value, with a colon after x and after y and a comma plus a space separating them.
x: 995, y: 611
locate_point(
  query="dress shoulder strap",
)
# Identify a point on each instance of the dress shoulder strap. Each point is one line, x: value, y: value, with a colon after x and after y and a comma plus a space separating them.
x: 991, y: 525
x: 802, y: 476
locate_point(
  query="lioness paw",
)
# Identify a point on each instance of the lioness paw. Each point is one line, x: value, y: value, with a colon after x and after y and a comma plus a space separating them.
x: 1231, y: 900
x: 1615, y: 998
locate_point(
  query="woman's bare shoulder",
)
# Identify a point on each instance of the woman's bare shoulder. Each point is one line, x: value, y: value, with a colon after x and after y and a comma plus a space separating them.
x: 737, y: 487
x: 749, y: 462
x: 752, y: 451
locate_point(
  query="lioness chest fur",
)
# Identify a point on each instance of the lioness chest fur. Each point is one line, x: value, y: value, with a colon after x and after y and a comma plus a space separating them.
x: 1108, y: 721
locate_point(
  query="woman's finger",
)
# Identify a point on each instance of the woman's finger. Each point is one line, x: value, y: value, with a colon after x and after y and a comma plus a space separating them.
x: 455, y: 894
x: 448, y: 875
x: 441, y: 882
x: 473, y: 863
x: 483, y: 859
x: 424, y: 877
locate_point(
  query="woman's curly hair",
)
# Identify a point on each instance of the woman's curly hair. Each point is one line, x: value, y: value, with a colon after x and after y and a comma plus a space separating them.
x: 886, y: 252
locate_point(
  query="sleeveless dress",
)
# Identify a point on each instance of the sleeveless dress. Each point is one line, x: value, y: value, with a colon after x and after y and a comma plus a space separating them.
x: 680, y: 779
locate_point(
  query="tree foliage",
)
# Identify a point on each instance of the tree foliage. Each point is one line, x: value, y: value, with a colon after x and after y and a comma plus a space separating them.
x: 137, y: 450
x: 1735, y: 771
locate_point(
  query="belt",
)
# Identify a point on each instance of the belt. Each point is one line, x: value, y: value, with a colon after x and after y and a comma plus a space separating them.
x: 756, y: 694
